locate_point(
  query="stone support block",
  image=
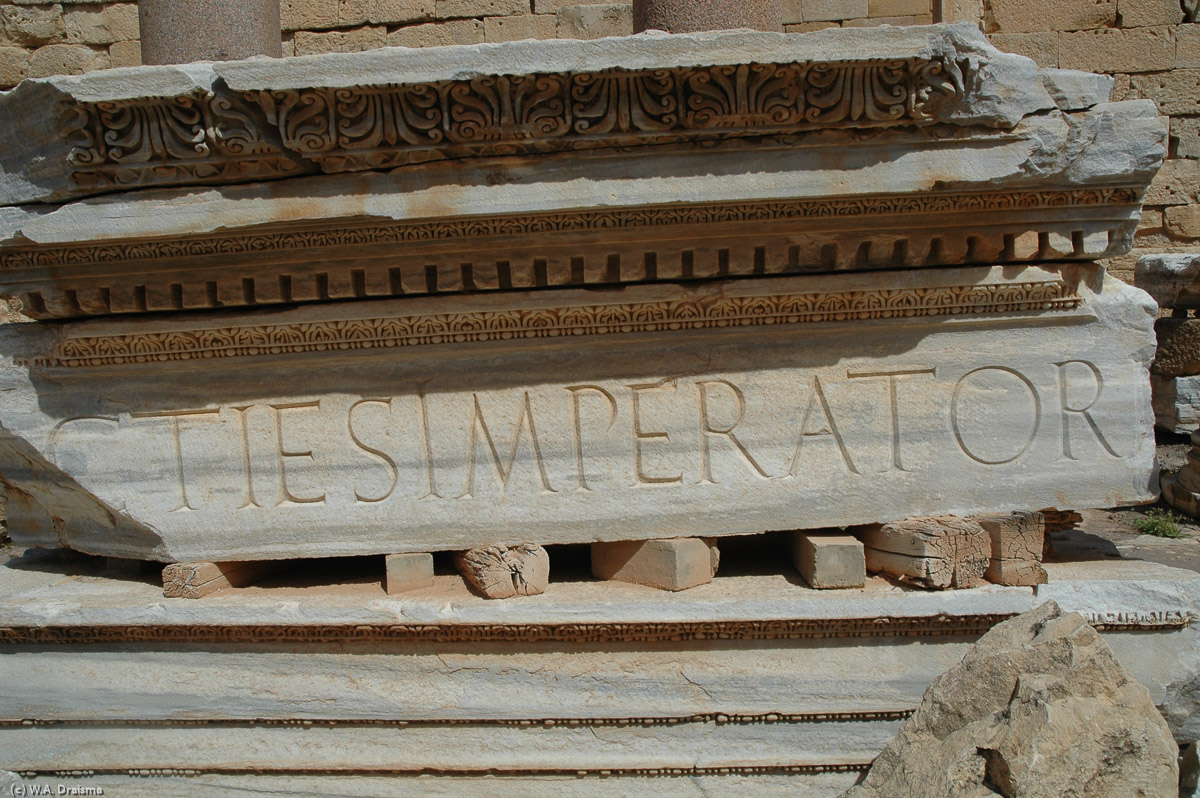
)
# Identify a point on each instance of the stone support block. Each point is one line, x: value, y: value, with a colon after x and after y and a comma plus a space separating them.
x: 1177, y: 183
x: 183, y: 31
x: 667, y: 564
x: 66, y: 59
x: 939, y: 553
x: 1177, y: 92
x: 1187, y: 48
x: 1018, y: 540
x: 383, y: 12
x: 450, y: 9
x: 438, y: 34
x: 101, y: 24
x: 691, y: 16
x: 829, y: 561
x: 834, y: 10
x: 296, y: 15
x: 595, y: 21
x: 1041, y: 46
x: 1176, y: 402
x: 33, y: 26
x: 499, y: 572
x: 1183, y: 221
x: 1172, y: 280
x: 411, y: 571
x: 1178, y: 353
x: 529, y: 26
x: 1145, y: 13
x: 1028, y: 16
x: 198, y: 579
x: 340, y: 41
x: 1118, y: 50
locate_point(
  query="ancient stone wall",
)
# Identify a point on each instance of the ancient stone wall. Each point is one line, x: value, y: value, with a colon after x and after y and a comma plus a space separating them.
x: 1151, y: 47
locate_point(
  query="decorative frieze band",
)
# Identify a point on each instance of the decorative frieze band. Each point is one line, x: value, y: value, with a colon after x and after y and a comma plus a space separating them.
x: 568, y: 321
x: 732, y: 770
x: 222, y: 136
x: 587, y: 221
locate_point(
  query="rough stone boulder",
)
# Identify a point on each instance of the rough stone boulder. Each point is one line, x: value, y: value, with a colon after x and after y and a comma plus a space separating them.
x: 1039, y: 707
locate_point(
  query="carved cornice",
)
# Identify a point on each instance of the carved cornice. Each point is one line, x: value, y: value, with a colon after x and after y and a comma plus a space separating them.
x: 572, y: 222
x: 498, y: 773
x: 617, y: 632
x: 717, y: 718
x: 564, y: 322
x: 221, y: 136
x: 649, y: 632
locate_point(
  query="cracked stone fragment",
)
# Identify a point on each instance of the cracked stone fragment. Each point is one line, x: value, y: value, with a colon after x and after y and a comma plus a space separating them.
x: 506, y: 571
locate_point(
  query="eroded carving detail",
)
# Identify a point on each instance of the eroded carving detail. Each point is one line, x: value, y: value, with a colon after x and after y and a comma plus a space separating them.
x: 446, y: 328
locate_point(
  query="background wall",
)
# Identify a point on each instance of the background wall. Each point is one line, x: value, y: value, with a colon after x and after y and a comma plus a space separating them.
x: 1151, y: 47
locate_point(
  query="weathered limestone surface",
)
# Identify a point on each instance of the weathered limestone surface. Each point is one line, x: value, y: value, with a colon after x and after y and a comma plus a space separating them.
x: 450, y: 423
x: 1176, y: 402
x: 1178, y: 353
x: 931, y: 166
x: 940, y: 553
x: 682, y: 16
x: 404, y: 572
x: 1018, y: 540
x: 1173, y: 280
x: 1038, y: 707
x: 505, y: 571
x: 182, y: 31
x: 829, y: 561
x: 198, y: 579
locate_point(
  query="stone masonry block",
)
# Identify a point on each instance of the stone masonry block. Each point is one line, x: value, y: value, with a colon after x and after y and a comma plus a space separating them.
x: 340, y: 41
x: 875, y: 22
x: 14, y: 65
x: 1150, y: 220
x: 1178, y: 352
x: 34, y: 26
x: 553, y: 6
x: 595, y: 21
x: 438, y: 34
x: 450, y: 9
x: 1027, y: 16
x: 898, y: 8
x: 829, y: 561
x: 1177, y: 183
x: 1144, y: 13
x: 668, y: 564
x: 408, y: 572
x: 1185, y: 137
x: 1114, y: 50
x: 810, y: 27
x: 821, y: 10
x: 1042, y: 47
x: 511, y: 29
x: 793, y: 13
x: 1187, y: 47
x: 383, y: 12
x: 66, y: 59
x: 1177, y: 92
x: 124, y: 54
x: 308, y: 14
x: 1183, y: 221
x: 101, y: 24
x: 1176, y: 402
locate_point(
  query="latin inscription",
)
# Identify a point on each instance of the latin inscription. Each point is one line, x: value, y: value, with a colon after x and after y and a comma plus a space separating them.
x: 430, y: 443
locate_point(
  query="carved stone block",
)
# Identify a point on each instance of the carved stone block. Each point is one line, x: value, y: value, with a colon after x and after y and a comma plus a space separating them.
x: 1018, y: 542
x: 829, y: 561
x: 505, y: 571
x: 1173, y: 280
x: 429, y: 424
x: 198, y: 579
x: 670, y: 564
x: 940, y: 553
x: 411, y: 571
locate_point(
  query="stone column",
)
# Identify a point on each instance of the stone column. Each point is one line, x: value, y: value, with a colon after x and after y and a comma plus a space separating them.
x: 688, y: 16
x: 182, y: 31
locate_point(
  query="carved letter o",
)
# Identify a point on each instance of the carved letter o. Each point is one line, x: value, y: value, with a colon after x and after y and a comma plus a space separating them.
x: 993, y: 458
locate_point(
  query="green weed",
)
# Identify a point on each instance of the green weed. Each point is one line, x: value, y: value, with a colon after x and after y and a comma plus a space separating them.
x: 1160, y: 523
